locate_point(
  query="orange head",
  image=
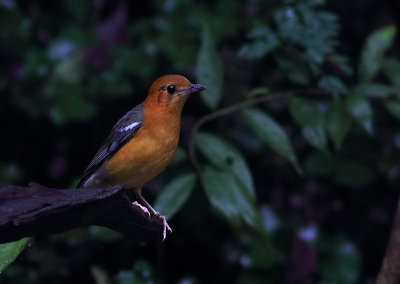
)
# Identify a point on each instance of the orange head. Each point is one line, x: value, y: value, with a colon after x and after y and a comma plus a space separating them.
x: 170, y: 92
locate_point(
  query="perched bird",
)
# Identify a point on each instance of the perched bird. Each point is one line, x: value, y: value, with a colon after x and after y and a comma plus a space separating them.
x: 142, y: 143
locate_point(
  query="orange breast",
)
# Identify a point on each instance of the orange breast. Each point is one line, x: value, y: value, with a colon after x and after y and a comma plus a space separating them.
x: 147, y: 153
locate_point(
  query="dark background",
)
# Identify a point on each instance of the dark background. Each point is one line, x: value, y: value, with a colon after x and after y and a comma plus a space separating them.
x: 70, y: 69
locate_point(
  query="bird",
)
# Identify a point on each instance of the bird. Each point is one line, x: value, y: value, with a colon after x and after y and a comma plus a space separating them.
x: 142, y: 143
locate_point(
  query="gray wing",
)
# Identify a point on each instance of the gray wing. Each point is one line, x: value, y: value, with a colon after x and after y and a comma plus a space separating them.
x: 121, y: 133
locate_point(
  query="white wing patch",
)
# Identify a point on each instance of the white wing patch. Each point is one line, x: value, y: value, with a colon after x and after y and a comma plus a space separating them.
x: 130, y: 126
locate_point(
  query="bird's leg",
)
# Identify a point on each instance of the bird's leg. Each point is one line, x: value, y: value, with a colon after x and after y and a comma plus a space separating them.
x: 148, y: 208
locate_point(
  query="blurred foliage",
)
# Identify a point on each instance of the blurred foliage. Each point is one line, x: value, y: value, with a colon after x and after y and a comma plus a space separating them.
x: 296, y: 177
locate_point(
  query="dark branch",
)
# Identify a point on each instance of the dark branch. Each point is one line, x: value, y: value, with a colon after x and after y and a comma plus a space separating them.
x: 390, y: 268
x: 37, y: 210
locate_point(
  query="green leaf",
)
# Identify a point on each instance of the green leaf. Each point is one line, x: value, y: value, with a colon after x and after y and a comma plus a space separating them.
x: 179, y: 156
x: 230, y: 197
x: 305, y: 112
x: 20, y: 27
x: 311, y: 119
x: 10, y: 172
x: 332, y: 85
x: 100, y: 276
x: 296, y: 69
x: 338, y: 123
x: 123, y: 57
x: 272, y: 134
x: 209, y: 70
x: 36, y: 64
x: 352, y: 173
x: 341, y: 263
x: 316, y: 136
x: 264, y: 41
x: 71, y: 107
x: 79, y: 9
x: 262, y: 254
x: 377, y: 90
x: 360, y: 109
x: 10, y: 251
x: 344, y: 171
x: 109, y: 83
x: 225, y: 156
x: 124, y: 277
x: 260, y: 91
x: 70, y: 69
x: 342, y: 63
x: 142, y: 272
x: 81, y: 35
x: 391, y: 67
x: 305, y: 26
x: 103, y: 234
x: 393, y: 108
x: 373, y: 52
x: 174, y: 195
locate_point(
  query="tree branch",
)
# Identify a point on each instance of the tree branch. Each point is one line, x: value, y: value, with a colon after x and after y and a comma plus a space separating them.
x: 37, y: 210
x: 390, y: 269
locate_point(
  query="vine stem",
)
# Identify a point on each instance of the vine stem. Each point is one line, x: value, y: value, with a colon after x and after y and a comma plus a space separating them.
x: 234, y: 108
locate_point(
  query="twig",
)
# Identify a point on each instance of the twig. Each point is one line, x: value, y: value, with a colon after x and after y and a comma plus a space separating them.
x: 234, y: 108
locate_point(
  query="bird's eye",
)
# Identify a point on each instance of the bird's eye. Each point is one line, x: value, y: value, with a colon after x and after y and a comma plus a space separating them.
x: 171, y: 89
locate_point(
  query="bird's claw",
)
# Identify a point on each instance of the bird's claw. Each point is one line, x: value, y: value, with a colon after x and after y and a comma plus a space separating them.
x: 144, y: 209
x: 165, y: 225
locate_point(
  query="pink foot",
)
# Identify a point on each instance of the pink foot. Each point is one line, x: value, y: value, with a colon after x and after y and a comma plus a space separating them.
x: 165, y: 224
x: 144, y: 209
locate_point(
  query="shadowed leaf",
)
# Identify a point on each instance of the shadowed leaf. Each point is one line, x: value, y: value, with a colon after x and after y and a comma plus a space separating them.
x: 264, y: 41
x: 342, y: 264
x: 391, y: 67
x: 225, y: 156
x: 311, y: 119
x: 374, y: 49
x: 393, y: 108
x: 338, y: 123
x: 230, y: 197
x: 174, y: 195
x: 333, y: 85
x: 272, y: 134
x: 360, y: 109
x: 209, y: 70
x: 377, y: 90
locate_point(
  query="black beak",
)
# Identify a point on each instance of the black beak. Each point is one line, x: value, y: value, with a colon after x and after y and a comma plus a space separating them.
x: 197, y: 88
x: 194, y: 88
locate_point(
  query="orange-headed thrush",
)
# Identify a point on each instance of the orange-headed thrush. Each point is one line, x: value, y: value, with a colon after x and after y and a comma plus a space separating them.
x: 142, y: 143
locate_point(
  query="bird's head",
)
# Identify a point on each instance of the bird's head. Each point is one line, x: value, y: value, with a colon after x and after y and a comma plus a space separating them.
x: 171, y: 92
